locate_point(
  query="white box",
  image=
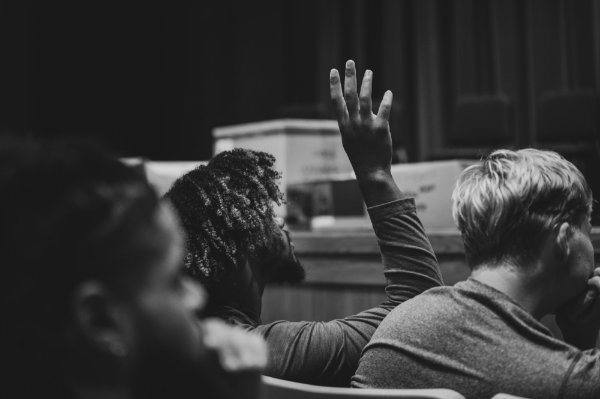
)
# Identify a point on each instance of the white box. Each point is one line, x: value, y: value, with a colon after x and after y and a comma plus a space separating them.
x: 304, y: 149
x: 430, y: 183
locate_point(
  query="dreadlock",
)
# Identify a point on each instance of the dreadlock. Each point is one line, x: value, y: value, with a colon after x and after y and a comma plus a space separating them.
x: 226, y: 209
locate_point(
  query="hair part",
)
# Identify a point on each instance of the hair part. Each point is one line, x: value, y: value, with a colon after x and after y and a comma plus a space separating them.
x: 506, y: 205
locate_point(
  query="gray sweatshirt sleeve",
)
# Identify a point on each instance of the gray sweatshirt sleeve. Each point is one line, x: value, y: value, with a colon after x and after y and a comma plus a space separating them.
x: 327, y: 353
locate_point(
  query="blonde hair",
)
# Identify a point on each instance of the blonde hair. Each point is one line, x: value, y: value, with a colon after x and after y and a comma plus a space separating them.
x: 506, y: 205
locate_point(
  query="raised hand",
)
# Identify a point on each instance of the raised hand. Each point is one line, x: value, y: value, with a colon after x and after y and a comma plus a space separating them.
x: 366, y: 137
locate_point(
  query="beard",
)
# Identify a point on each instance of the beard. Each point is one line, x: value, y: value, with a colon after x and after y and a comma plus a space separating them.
x: 288, y: 270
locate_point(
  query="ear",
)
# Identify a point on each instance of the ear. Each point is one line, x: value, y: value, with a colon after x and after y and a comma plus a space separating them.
x: 98, y: 316
x: 562, y: 240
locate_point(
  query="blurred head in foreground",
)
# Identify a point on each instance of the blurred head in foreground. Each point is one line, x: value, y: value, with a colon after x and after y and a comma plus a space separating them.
x: 94, y: 298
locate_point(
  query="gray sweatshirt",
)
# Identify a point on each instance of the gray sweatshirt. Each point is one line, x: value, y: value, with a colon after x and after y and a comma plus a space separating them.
x: 475, y: 340
x: 327, y: 353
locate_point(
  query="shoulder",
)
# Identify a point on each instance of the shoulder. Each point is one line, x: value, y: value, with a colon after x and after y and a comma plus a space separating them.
x: 439, y: 308
x: 432, y: 306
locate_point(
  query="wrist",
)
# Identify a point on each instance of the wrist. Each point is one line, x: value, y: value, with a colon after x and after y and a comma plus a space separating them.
x: 378, y: 187
x: 374, y: 175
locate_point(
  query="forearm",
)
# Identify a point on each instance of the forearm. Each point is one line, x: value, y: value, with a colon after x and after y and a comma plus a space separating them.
x: 410, y: 266
x: 320, y: 353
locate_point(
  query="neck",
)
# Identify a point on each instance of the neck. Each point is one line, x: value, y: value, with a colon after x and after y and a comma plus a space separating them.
x: 94, y: 376
x: 249, y: 300
x: 246, y: 295
x: 525, y: 285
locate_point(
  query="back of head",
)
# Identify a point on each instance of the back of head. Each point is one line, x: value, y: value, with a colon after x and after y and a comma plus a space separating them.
x: 507, y: 204
x: 69, y: 212
x: 226, y: 210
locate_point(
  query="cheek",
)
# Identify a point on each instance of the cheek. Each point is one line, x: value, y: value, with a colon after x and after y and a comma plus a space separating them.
x: 582, y: 261
x: 587, y: 254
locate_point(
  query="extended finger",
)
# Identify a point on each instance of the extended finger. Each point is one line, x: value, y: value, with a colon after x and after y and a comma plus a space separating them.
x: 337, y: 97
x: 386, y: 106
x: 366, y: 106
x: 350, y: 88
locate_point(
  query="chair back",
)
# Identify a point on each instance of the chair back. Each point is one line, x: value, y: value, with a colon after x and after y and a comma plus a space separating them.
x: 274, y: 388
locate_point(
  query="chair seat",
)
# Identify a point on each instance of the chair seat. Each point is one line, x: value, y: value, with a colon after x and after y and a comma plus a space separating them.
x: 274, y: 388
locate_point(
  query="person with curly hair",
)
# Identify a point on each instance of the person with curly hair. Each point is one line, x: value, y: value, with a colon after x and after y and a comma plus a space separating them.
x: 235, y: 245
x: 226, y: 208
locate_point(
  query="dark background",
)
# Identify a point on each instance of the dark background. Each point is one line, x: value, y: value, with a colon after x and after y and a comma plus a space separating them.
x: 153, y: 78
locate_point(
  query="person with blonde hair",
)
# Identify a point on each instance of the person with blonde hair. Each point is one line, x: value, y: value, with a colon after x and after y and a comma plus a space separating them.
x: 524, y: 217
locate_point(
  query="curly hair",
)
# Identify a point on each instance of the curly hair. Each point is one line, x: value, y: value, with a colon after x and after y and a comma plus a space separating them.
x: 227, y: 211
